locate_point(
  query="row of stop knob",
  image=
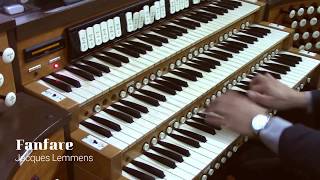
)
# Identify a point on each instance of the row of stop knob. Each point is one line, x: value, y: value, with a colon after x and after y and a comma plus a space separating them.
x: 7, y: 57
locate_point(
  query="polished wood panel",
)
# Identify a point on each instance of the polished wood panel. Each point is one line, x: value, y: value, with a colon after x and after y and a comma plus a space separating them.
x: 33, y: 120
x: 6, y: 69
x: 43, y: 169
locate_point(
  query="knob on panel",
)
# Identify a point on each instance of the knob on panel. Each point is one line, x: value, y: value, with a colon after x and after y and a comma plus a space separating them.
x: 9, y: 99
x: 8, y: 55
x: 1, y: 80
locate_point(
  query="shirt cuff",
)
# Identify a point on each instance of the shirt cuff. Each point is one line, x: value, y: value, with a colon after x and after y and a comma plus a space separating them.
x: 270, y: 135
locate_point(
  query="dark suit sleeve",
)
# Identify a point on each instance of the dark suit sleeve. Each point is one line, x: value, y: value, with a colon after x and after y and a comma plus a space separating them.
x: 299, y: 147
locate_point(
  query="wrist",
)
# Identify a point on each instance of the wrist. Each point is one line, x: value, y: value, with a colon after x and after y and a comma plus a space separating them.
x: 301, y: 99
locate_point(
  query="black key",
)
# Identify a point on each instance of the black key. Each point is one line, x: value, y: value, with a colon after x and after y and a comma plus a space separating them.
x: 173, y: 31
x: 244, y: 87
x: 184, y: 24
x: 245, y: 83
x: 184, y: 75
x: 133, y: 48
x: 166, y: 34
x: 170, y: 154
x: 98, y: 66
x: 158, y: 38
x: 163, y: 88
x: 69, y: 80
x: 275, y: 75
x: 173, y: 86
x: 262, y: 30
x: 209, y: 15
x: 216, y: 10
x: 107, y: 123
x: 199, y: 120
x: 175, y: 148
x: 199, y: 66
x: 275, y: 69
x: 202, y: 115
x: 198, y: 18
x: 203, y: 63
x: 285, y: 61
x: 185, y: 140
x: 144, y: 46
x: 191, y: 72
x: 233, y: 46
x: 290, y: 57
x: 227, y: 48
x: 257, y: 30
x: 221, y: 53
x: 118, y: 57
x: 97, y: 129
x: 152, y: 170
x: 192, y: 135
x: 224, y: 5
x: 248, y: 38
x: 234, y: 2
x: 242, y: 39
x: 183, y: 30
x: 217, y: 56
x: 89, y: 69
x: 202, y: 127
x: 235, y: 5
x: 81, y: 73
x: 138, y: 174
x: 197, y: 24
x: 237, y: 43
x: 146, y: 99
x: 132, y: 112
x: 253, y: 33
x: 119, y: 115
x: 176, y: 81
x: 127, y: 51
x: 135, y: 106
x: 58, y: 84
x: 150, y: 41
x: 202, y: 121
x: 279, y: 66
x: 212, y: 61
x: 154, y: 95
x: 109, y: 60
x: 162, y: 160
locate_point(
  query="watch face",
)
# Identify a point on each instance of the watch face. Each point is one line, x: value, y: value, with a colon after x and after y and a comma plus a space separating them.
x: 259, y: 122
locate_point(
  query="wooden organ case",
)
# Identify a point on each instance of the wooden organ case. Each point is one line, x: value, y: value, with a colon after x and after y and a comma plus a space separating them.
x: 303, y: 16
x: 136, y: 76
x: 7, y: 55
x: 24, y: 117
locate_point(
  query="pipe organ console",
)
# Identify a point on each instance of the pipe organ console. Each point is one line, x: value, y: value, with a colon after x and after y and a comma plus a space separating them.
x: 7, y: 55
x: 304, y: 17
x: 137, y: 75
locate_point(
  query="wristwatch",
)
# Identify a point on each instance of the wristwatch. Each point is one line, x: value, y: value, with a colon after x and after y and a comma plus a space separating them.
x: 260, y: 122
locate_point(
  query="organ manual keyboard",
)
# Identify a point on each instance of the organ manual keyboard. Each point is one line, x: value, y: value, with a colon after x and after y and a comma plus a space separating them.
x: 303, y: 16
x: 7, y: 55
x: 137, y: 76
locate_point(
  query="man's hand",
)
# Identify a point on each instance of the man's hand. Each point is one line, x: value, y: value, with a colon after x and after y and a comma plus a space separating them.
x: 234, y: 111
x: 271, y: 93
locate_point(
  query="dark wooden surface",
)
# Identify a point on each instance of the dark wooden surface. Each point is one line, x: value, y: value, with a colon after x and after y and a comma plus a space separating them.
x: 38, y: 21
x: 6, y: 23
x: 30, y: 119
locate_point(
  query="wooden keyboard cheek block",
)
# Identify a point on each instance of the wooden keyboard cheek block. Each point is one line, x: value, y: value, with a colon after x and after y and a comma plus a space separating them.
x: 106, y: 163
